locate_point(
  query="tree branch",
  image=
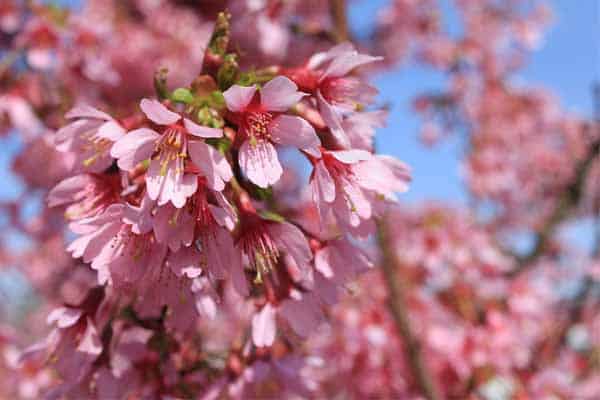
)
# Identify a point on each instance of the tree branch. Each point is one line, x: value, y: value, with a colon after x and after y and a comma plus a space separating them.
x: 399, y: 310
x: 569, y: 200
x: 570, y: 197
x: 337, y: 10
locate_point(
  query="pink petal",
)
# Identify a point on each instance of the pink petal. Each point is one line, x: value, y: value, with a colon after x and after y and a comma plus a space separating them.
x: 346, y: 62
x: 304, y: 315
x: 319, y: 58
x: 360, y: 127
x: 226, y: 215
x: 236, y: 269
x: 174, y: 227
x: 212, y: 164
x: 383, y: 174
x: 259, y: 163
x: 183, y: 189
x: 140, y: 218
x: 133, y: 148
x: 238, y: 97
x: 40, y: 58
x: 351, y: 156
x: 111, y: 130
x: 291, y: 239
x: 64, y: 317
x: 280, y: 94
x: 322, y: 262
x: 263, y: 327
x: 323, y: 183
x: 169, y: 182
x: 85, y: 111
x: 333, y: 121
x: 340, y: 261
x: 218, y: 253
x: 206, y: 306
x: 222, y: 217
x: 158, y: 113
x: 154, y: 180
x: 90, y: 342
x: 185, y: 262
x: 325, y: 290
x: 201, y: 131
x: 67, y: 136
x: 358, y: 203
x: 68, y: 190
x: 293, y: 131
x: 100, y: 249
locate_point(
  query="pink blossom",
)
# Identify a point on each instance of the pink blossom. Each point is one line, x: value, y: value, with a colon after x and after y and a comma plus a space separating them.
x: 348, y: 184
x: 340, y: 261
x: 212, y: 219
x: 90, y: 137
x: 168, y: 178
x: 261, y: 122
x: 85, y: 195
x: 326, y: 76
x: 114, y: 251
x: 74, y: 344
x: 360, y: 128
x: 263, y: 242
x: 187, y: 299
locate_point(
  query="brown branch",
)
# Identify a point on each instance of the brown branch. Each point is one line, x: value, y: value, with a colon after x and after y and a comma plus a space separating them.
x: 397, y: 304
x: 337, y: 10
x: 570, y: 197
x: 568, y: 201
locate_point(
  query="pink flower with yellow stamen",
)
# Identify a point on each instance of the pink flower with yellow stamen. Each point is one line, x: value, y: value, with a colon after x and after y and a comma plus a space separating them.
x: 178, y: 140
x: 261, y: 122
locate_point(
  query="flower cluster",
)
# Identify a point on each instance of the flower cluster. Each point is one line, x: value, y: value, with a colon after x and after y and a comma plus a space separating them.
x: 193, y: 205
x: 175, y: 203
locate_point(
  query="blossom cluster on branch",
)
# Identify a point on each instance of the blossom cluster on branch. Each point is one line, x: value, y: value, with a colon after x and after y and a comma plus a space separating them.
x: 196, y: 207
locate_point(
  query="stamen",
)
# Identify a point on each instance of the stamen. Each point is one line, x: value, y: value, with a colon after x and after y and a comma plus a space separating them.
x: 257, y: 124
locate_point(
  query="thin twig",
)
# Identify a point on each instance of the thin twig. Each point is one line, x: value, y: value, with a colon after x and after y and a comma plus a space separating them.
x: 398, y: 308
x: 337, y: 10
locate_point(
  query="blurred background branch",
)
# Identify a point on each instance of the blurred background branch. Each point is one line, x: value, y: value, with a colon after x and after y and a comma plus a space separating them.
x: 338, y: 11
x: 398, y: 308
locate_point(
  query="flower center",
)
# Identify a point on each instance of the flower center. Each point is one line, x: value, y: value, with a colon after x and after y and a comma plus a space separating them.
x: 261, y: 251
x: 96, y: 145
x: 257, y: 124
x: 171, y: 147
x: 336, y: 168
x: 343, y: 176
x: 128, y: 244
